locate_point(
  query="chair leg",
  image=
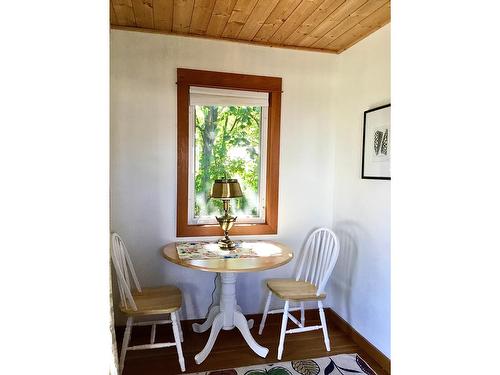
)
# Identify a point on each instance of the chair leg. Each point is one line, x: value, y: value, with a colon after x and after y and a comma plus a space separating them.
x: 153, y: 333
x: 126, y: 339
x: 181, y: 334
x: 323, y: 325
x: 175, y: 328
x: 284, y: 321
x: 264, y: 316
x: 302, y: 315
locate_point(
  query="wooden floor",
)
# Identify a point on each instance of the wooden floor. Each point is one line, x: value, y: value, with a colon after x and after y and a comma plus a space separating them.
x: 230, y: 349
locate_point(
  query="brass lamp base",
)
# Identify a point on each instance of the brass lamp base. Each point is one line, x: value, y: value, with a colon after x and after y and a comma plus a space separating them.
x: 226, y: 244
x: 226, y: 223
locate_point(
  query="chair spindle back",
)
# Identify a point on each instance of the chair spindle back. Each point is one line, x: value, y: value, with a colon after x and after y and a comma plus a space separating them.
x: 318, y: 258
x: 124, y: 269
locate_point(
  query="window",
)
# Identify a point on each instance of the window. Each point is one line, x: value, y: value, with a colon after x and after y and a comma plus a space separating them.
x: 228, y: 126
x: 227, y: 140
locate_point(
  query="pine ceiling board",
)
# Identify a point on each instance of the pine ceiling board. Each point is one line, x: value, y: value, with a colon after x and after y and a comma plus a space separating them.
x: 279, y: 14
x: 202, y: 12
x: 238, y: 18
x: 365, y: 27
x: 331, y: 21
x: 163, y: 12
x: 124, y: 12
x: 257, y: 18
x: 352, y: 20
x: 221, y: 13
x: 315, y: 25
x: 318, y: 16
x: 143, y: 11
x: 299, y: 15
x: 183, y: 11
x: 112, y: 15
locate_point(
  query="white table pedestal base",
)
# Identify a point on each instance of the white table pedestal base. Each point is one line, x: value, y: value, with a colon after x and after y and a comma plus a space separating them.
x: 227, y: 316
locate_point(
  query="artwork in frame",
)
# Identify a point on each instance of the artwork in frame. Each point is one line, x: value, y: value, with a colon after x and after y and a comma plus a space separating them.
x: 376, y: 161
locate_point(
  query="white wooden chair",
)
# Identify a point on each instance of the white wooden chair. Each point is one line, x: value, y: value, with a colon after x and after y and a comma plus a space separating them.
x: 315, y: 267
x: 144, y: 302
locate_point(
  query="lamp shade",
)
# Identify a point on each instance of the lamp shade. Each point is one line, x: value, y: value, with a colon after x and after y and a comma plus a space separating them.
x: 226, y: 188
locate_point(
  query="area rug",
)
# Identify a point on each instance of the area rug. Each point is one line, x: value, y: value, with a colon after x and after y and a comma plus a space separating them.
x: 341, y: 364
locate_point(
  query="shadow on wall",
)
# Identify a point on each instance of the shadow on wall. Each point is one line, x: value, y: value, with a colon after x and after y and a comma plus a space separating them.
x: 192, y: 306
x: 310, y: 304
x: 348, y: 234
x: 188, y: 302
x: 298, y: 259
x: 291, y: 272
x: 302, y: 247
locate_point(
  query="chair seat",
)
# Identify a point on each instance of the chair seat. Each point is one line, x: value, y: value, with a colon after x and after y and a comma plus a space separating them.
x: 152, y: 301
x: 292, y: 290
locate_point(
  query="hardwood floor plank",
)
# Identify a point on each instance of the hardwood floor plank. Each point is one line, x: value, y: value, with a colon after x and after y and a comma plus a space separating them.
x: 230, y: 349
x: 363, y: 343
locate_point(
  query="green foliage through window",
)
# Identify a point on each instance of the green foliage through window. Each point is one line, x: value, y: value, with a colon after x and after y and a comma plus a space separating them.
x: 227, y: 145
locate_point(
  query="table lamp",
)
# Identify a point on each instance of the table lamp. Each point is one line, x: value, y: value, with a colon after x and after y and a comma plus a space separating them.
x: 226, y: 189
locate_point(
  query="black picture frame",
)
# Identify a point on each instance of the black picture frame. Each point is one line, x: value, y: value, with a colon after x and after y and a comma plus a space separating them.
x: 364, y: 174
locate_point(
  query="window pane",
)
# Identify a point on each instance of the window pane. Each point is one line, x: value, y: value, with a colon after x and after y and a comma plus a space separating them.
x: 227, y: 145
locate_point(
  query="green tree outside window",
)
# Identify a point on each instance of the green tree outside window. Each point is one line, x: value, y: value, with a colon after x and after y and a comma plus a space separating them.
x: 227, y: 145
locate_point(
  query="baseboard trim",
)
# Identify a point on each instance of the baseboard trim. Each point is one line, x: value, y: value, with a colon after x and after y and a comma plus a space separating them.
x: 363, y: 343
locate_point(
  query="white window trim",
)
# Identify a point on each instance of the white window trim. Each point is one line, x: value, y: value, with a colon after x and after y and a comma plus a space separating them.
x: 263, y: 171
x: 211, y: 96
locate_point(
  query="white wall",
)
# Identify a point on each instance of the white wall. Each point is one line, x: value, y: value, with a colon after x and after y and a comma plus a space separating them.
x: 321, y: 127
x: 144, y: 159
x: 361, y: 208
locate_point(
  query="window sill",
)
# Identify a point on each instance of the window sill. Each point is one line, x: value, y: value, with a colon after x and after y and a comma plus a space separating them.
x: 215, y: 230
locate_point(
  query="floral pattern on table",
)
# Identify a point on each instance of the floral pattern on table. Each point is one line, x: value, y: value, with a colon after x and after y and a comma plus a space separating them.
x: 211, y: 250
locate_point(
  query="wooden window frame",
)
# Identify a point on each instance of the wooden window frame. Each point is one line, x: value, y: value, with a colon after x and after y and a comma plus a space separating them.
x: 203, y: 78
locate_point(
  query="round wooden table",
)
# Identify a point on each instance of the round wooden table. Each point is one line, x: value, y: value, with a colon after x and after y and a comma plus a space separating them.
x: 227, y: 315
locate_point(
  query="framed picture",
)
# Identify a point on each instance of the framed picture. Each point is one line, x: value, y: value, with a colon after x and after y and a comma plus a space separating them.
x: 376, y: 162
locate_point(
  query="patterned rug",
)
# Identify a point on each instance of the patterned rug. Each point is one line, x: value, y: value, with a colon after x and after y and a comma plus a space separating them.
x: 341, y: 364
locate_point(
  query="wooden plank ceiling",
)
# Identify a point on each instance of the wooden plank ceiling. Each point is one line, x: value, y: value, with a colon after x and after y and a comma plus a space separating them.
x: 318, y: 25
